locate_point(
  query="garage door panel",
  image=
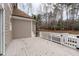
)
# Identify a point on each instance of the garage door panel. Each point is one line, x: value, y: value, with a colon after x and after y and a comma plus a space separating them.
x: 21, y: 28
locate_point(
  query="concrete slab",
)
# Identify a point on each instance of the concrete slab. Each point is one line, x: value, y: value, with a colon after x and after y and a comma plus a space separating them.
x: 38, y: 47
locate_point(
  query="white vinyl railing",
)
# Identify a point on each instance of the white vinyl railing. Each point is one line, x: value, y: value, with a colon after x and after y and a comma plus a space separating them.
x: 62, y: 38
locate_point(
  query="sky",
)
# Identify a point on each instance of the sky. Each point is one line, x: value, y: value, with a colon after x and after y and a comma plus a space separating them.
x: 35, y: 7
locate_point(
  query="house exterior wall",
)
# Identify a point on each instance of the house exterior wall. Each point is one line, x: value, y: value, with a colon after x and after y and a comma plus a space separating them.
x: 16, y: 28
x: 21, y: 28
x: 7, y: 16
x: 33, y: 28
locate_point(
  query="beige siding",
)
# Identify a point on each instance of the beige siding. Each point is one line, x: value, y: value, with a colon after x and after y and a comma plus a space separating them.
x: 33, y: 28
x: 7, y: 24
x: 21, y: 28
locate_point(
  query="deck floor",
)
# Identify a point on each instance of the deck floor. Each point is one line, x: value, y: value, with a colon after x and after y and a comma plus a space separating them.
x: 38, y: 47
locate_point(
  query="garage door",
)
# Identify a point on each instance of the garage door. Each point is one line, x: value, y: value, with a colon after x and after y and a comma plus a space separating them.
x: 21, y: 28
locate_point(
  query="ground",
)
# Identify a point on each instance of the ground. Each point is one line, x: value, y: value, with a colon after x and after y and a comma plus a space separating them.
x: 38, y: 47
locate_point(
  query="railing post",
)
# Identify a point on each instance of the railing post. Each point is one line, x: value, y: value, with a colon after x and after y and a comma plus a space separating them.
x: 77, y: 43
